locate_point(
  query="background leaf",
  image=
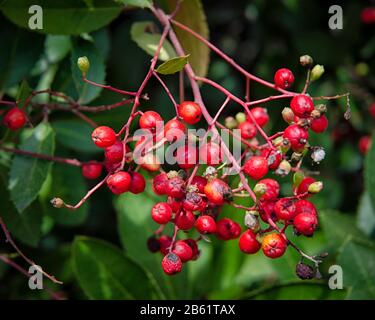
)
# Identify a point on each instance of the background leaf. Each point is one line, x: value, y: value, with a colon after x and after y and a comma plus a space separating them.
x: 137, y: 3
x: 370, y: 172
x: 28, y: 174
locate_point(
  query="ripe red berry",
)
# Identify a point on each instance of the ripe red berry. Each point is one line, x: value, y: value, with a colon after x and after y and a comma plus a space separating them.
x: 227, y: 229
x: 205, y: 224
x: 217, y: 191
x: 368, y: 15
x: 171, y: 264
x: 176, y: 187
x: 15, y: 119
x: 372, y: 110
x: 297, y: 136
x: 305, y: 223
x: 364, y: 144
x: 165, y: 244
x: 248, y: 130
x: 199, y: 182
x: 320, y: 124
x: 285, y: 209
x: 103, y: 136
x: 115, y: 152
x: 305, y: 206
x: 174, y: 130
x: 274, y: 157
x: 273, y: 245
x: 260, y: 115
x: 149, y: 120
x: 256, y: 167
x: 175, y: 204
x: 248, y: 242
x: 193, y: 202
x: 183, y: 250
x: 92, y: 170
x: 302, y: 105
x: 185, y: 220
x: 159, y: 183
x: 210, y: 154
x: 194, y: 247
x: 267, y: 210
x: 190, y: 112
x: 283, y: 78
x: 273, y: 189
x: 137, y: 184
x: 304, y: 185
x: 149, y: 162
x: 161, y: 213
x: 186, y: 156
x: 119, y: 182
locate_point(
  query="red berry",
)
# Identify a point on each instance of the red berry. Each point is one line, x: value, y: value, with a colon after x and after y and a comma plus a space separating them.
x: 171, y: 264
x: 210, y: 154
x: 92, y: 170
x: 183, y: 250
x: 174, y: 130
x: 320, y: 124
x: 103, y: 136
x: 205, y: 224
x: 176, y: 187
x: 186, y: 156
x: 297, y: 136
x: 217, y: 191
x: 119, y: 182
x: 283, y: 78
x: 15, y: 119
x: 165, y: 244
x: 267, y: 210
x: 194, y: 247
x: 248, y: 130
x: 159, y: 183
x: 227, y: 229
x: 185, y: 220
x: 372, y: 110
x: 305, y: 223
x: 115, y: 152
x: 161, y: 213
x: 256, y: 167
x: 150, y: 162
x: 149, y: 120
x: 190, y: 112
x: 260, y: 115
x: 199, y: 182
x: 368, y: 15
x: 273, y: 245
x: 364, y: 144
x: 175, y: 204
x: 304, y: 185
x: 273, y: 157
x: 305, y: 206
x: 302, y: 105
x: 138, y: 183
x: 248, y: 242
x: 285, y: 209
x: 273, y: 189
x: 193, y: 202
x: 111, y: 167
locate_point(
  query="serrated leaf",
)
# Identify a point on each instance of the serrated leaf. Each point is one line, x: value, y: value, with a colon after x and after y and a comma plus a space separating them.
x: 136, y: 3
x: 28, y: 174
x: 63, y: 16
x: 96, y: 73
x: 104, y: 272
x: 358, y: 264
x: 191, y: 14
x: 369, y: 171
x: 173, y: 65
x: 149, y: 42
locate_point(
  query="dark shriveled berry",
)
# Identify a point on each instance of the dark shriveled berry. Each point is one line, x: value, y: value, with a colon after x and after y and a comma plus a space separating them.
x: 153, y: 244
x: 304, y: 271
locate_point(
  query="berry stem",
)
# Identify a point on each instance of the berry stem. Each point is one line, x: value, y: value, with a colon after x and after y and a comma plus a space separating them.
x: 128, y: 93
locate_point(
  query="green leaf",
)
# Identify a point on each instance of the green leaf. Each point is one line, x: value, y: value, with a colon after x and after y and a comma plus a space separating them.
x: 366, y: 215
x: 24, y: 92
x: 104, y: 272
x: 191, y: 14
x: 136, y: 3
x: 63, y: 16
x: 149, y: 42
x: 28, y: 174
x: 15, y: 60
x: 75, y: 135
x: 358, y: 264
x: 96, y: 73
x: 369, y: 172
x: 135, y: 226
x: 173, y: 65
x: 57, y: 47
